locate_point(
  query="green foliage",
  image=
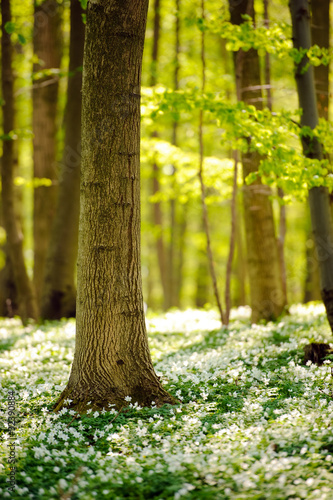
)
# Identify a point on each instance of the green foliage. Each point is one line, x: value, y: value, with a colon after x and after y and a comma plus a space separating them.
x: 245, y: 128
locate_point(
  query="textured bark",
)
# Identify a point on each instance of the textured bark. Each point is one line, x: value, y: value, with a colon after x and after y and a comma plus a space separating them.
x: 320, y: 28
x: 47, y: 48
x: 112, y: 358
x: 59, y: 291
x: 318, y: 196
x: 267, y: 297
x: 27, y: 302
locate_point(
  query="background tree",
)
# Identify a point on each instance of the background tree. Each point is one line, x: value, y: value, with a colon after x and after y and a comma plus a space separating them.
x: 26, y: 298
x: 320, y: 34
x: 47, y: 53
x: 318, y: 196
x: 112, y: 359
x: 267, y: 297
x: 59, y: 291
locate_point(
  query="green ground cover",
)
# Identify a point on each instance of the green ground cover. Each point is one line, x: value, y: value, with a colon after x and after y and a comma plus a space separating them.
x: 254, y: 422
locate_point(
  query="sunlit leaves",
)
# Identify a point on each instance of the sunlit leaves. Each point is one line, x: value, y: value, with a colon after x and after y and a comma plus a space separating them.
x: 274, y: 136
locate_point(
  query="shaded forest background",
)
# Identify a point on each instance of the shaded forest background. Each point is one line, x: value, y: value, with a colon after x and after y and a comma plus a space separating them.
x: 193, y: 136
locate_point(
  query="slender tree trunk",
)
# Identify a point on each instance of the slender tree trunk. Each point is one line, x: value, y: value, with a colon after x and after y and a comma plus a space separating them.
x: 157, y: 209
x: 202, y: 185
x: 175, y: 236
x: 112, y: 359
x: 59, y: 292
x: 47, y: 47
x: 320, y: 29
x: 202, y: 278
x: 27, y: 302
x: 267, y: 297
x: 232, y: 241
x: 241, y: 266
x: 9, y: 306
x: 312, y: 277
x: 283, y: 215
x: 318, y: 196
x: 178, y: 278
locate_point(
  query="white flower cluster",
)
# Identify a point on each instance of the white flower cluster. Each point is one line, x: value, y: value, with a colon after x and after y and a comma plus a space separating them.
x: 254, y: 421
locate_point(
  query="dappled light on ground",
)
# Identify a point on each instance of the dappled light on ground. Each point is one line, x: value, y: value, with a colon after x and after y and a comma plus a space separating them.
x: 254, y: 422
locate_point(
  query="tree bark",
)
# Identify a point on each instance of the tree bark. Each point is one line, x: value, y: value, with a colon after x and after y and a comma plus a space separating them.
x: 59, y: 291
x: 27, y: 302
x: 320, y: 28
x: 318, y: 196
x: 112, y: 358
x: 267, y: 297
x: 157, y: 208
x: 47, y: 47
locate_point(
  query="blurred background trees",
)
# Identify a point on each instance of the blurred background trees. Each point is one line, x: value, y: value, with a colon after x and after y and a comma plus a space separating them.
x: 250, y: 105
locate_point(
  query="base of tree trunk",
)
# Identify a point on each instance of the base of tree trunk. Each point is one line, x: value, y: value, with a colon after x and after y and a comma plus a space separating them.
x: 327, y: 296
x: 90, y: 398
x: 59, y: 304
x: 316, y: 352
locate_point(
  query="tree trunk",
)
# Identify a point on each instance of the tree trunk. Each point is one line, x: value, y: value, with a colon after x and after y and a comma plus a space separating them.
x: 240, y: 271
x: 320, y: 31
x: 47, y: 47
x: 318, y: 196
x: 267, y: 297
x: 202, y: 280
x: 162, y: 257
x: 112, y: 359
x: 27, y: 302
x: 320, y: 27
x: 175, y: 235
x: 312, y: 278
x: 59, y: 291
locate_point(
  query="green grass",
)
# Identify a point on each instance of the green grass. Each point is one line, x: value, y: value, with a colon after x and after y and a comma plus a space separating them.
x: 254, y: 422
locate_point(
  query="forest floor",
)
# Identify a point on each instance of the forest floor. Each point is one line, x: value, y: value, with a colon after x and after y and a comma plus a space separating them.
x: 254, y: 421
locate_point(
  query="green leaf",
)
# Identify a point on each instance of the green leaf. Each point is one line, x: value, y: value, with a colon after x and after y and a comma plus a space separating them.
x: 22, y: 39
x: 10, y: 27
x: 83, y: 3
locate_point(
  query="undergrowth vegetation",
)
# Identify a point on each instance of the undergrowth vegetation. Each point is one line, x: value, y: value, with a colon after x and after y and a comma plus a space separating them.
x: 254, y: 422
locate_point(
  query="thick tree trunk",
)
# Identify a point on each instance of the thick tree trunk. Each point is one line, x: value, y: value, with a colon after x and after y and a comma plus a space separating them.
x: 320, y: 29
x: 267, y: 297
x: 112, y: 358
x: 59, y: 291
x: 47, y: 47
x: 318, y: 196
x: 27, y: 302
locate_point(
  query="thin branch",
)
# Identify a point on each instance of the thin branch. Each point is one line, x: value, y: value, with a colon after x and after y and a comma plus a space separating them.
x: 232, y: 240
